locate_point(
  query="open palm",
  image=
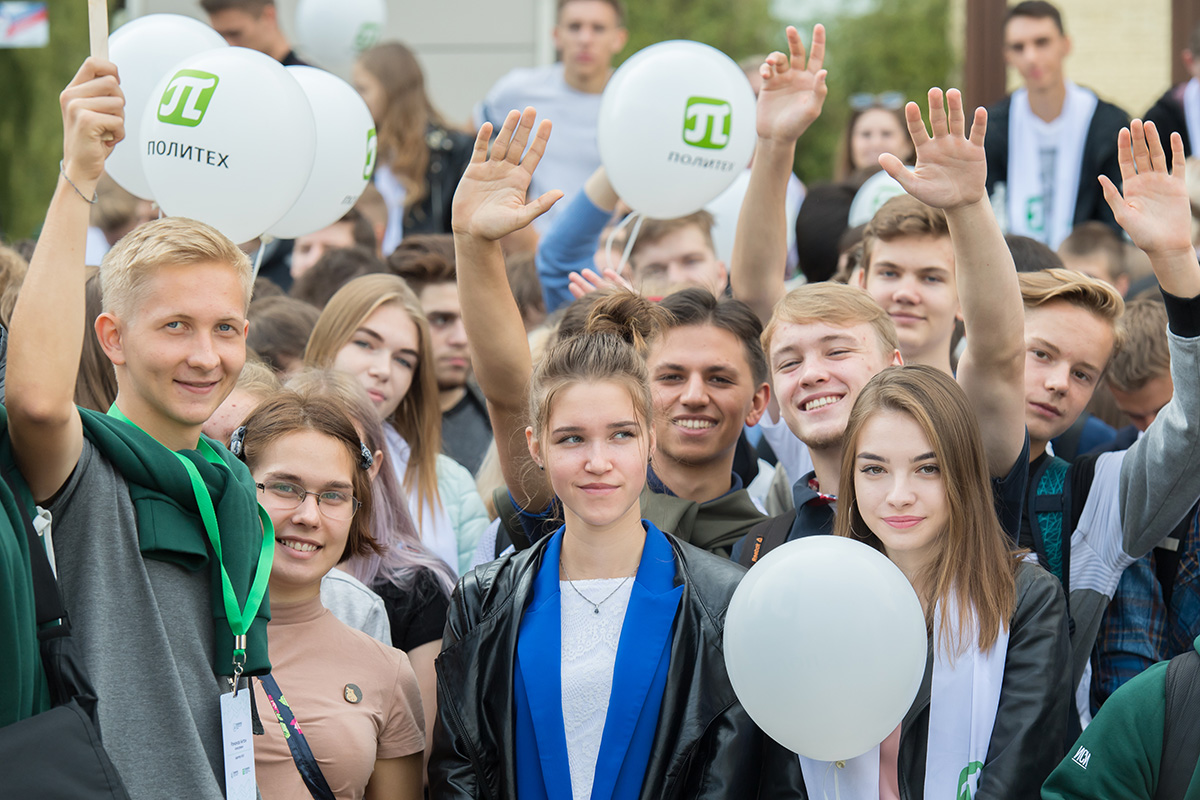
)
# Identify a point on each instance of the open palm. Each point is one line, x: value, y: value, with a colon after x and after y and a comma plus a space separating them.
x: 1153, y: 205
x: 792, y: 92
x: 490, y: 201
x: 951, y: 169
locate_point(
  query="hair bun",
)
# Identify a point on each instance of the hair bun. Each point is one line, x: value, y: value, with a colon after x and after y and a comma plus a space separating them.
x: 626, y: 315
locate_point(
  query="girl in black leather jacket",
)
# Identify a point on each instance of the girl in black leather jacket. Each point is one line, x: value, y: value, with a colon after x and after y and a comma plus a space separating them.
x: 590, y: 664
x: 990, y: 716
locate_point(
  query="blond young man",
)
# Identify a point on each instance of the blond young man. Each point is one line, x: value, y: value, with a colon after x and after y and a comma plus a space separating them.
x: 136, y: 564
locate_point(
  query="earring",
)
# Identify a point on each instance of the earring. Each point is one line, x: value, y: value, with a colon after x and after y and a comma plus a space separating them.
x: 541, y: 467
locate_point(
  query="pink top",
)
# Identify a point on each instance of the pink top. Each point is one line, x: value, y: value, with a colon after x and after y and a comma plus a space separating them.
x: 889, y: 776
x: 323, y: 667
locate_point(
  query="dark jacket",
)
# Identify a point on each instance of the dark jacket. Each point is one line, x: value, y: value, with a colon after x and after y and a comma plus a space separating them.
x: 705, y: 747
x: 1168, y: 117
x: 1031, y: 720
x: 449, y: 155
x: 1099, y: 158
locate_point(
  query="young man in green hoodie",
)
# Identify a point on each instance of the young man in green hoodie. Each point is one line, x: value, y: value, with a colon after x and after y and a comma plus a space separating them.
x: 161, y: 556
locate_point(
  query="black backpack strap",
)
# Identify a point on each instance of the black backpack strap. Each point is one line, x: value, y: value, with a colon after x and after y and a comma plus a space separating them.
x: 765, y: 537
x: 1181, y: 734
x: 511, y: 529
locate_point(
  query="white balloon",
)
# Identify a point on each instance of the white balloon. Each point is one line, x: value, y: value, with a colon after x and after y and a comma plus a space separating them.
x: 825, y: 645
x: 229, y: 141
x: 332, y: 33
x: 676, y: 127
x: 345, y: 156
x: 144, y: 50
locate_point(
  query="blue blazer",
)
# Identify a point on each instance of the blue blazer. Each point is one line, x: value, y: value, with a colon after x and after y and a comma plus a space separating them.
x: 639, y: 678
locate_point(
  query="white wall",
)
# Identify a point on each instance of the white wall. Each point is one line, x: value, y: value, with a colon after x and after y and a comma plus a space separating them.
x: 463, y: 45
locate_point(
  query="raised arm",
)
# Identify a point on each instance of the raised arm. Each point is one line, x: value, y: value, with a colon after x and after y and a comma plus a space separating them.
x: 489, y: 204
x: 569, y: 246
x: 1160, y: 476
x: 47, y: 330
x: 951, y: 174
x: 790, y: 100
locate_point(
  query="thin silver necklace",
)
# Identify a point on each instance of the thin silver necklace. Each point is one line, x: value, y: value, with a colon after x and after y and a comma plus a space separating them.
x: 586, y: 599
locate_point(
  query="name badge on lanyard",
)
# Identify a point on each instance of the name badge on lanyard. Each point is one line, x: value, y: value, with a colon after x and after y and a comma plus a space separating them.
x: 238, y: 739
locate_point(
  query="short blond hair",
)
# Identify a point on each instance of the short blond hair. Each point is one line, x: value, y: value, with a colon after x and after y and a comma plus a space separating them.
x: 1068, y: 286
x: 1144, y: 354
x: 901, y: 217
x: 834, y: 304
x: 258, y: 379
x: 165, y: 242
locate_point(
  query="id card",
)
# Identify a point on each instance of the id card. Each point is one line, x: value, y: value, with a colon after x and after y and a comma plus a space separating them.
x: 239, y: 746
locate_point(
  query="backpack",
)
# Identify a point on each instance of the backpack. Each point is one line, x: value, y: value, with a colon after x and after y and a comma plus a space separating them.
x: 1181, y: 734
x: 765, y: 537
x: 1049, y: 505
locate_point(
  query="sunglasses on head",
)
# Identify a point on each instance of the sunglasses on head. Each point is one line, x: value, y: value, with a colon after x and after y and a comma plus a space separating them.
x: 892, y: 101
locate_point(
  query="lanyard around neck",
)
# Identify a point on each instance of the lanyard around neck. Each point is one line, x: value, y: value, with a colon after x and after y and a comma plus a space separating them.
x: 239, y: 618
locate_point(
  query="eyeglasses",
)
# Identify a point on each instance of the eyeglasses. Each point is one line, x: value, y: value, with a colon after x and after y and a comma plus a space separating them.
x: 288, y: 496
x: 892, y: 101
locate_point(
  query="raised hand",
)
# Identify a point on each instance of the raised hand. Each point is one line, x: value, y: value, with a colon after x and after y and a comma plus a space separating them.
x: 93, y: 112
x: 792, y: 92
x: 1154, y: 209
x: 490, y: 202
x: 588, y: 281
x: 951, y: 167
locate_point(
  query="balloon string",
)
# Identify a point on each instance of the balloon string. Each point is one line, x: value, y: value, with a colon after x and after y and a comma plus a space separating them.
x: 633, y: 234
x: 263, y: 241
x: 837, y: 789
x: 612, y: 235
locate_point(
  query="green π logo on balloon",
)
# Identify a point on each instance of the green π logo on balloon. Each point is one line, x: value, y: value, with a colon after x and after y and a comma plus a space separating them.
x: 367, y: 36
x: 707, y: 122
x: 372, y: 148
x: 186, y: 97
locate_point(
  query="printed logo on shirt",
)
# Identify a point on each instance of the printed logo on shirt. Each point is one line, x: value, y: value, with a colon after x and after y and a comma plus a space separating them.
x: 707, y: 122
x: 187, y: 97
x: 1082, y: 756
x: 372, y: 149
x: 1035, y: 214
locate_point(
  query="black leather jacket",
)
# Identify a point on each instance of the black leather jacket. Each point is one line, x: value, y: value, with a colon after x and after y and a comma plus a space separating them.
x: 1035, y: 700
x: 705, y: 746
x: 449, y: 155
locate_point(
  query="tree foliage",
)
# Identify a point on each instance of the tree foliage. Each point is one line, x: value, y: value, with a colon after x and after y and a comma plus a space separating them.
x: 739, y: 29
x: 901, y: 47
x: 30, y: 120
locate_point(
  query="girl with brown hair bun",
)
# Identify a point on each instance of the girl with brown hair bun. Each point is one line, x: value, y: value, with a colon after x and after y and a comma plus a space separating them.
x: 991, y: 715
x: 590, y: 663
x: 352, y: 701
x: 420, y: 157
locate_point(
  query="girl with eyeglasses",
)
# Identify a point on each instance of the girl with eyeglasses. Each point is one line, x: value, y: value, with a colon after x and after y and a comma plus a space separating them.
x: 342, y: 712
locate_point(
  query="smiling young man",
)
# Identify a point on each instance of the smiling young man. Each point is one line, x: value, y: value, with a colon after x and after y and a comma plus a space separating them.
x: 824, y: 342
x: 136, y: 565
x: 1050, y: 139
x: 588, y: 34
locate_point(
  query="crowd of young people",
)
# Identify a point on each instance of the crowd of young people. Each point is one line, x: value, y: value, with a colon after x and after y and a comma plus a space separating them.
x: 292, y: 529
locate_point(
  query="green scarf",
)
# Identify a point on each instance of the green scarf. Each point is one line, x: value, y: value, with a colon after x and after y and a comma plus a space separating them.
x: 715, y: 525
x: 170, y: 528
x: 25, y: 692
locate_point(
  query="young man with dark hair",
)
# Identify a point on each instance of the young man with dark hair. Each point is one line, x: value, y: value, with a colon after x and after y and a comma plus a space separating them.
x: 588, y: 34
x: 253, y: 24
x: 351, y: 230
x: 164, y: 618
x: 1178, y: 110
x: 425, y: 267
x: 1050, y: 139
x: 1097, y: 251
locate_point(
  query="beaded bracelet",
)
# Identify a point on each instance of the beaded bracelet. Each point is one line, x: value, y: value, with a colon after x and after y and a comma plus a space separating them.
x: 95, y: 195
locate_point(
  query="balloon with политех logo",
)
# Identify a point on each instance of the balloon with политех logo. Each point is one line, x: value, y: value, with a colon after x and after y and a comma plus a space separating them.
x: 144, y: 50
x: 345, y: 156
x: 825, y: 646
x: 676, y: 127
x: 229, y: 140
x: 333, y: 33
